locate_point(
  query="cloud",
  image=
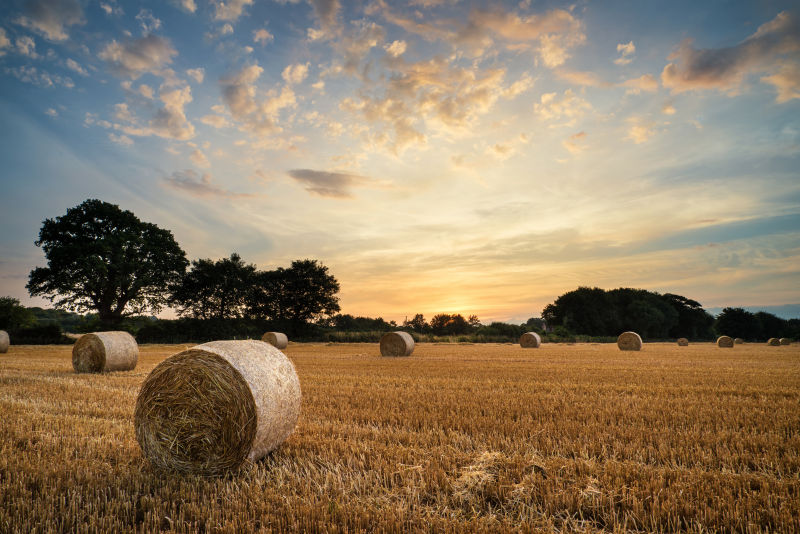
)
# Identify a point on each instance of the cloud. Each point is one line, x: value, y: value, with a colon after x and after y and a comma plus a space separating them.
x: 225, y: 29
x: 199, y: 159
x: 262, y: 36
x: 569, y: 108
x: 328, y: 184
x: 27, y: 47
x: 51, y: 112
x: 146, y: 91
x: 668, y: 109
x: 524, y: 84
x: 187, y: 5
x: 111, y: 8
x: 4, y: 42
x: 123, y: 140
x: 724, y: 69
x: 230, y: 10
x: 327, y: 12
x: 40, y: 78
x: 786, y: 81
x: 74, y: 65
x: 626, y: 51
x: 574, y: 143
x: 645, y: 82
x: 640, y: 131
x: 395, y: 48
x: 134, y: 58
x: 148, y: 21
x: 170, y: 121
x: 256, y: 116
x: 217, y: 121
x: 294, y: 74
x: 192, y: 183
x: 198, y: 74
x: 582, y: 78
x: 52, y: 17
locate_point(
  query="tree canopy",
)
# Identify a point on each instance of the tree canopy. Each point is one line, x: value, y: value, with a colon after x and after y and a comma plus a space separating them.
x: 103, y: 258
x: 215, y: 289
x: 596, y: 312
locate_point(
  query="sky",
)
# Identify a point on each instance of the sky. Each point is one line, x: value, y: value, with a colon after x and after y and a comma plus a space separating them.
x: 436, y: 155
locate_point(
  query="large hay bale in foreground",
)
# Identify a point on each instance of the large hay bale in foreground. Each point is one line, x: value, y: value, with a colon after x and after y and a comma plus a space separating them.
x: 105, y: 351
x: 276, y: 339
x: 725, y: 342
x: 629, y: 341
x: 774, y: 342
x: 397, y: 344
x: 530, y: 340
x: 738, y: 341
x: 209, y: 408
x: 683, y: 342
x: 785, y: 341
x: 4, y: 341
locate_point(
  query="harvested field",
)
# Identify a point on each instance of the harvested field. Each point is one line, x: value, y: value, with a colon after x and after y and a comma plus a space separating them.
x: 456, y: 438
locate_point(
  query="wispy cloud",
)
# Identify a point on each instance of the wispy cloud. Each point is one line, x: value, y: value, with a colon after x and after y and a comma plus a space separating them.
x: 327, y: 183
x: 52, y: 18
x: 192, y: 183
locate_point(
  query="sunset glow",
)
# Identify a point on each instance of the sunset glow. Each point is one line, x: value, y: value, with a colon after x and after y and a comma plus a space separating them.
x: 437, y: 155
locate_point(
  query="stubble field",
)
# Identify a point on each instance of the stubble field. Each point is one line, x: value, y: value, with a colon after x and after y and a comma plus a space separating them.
x: 455, y: 438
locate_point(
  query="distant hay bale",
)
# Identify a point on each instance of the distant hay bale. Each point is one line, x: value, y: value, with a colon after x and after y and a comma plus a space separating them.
x: 738, y: 341
x: 397, y: 344
x: 629, y: 341
x: 785, y: 341
x: 774, y: 342
x: 105, y: 351
x: 276, y: 339
x: 4, y: 342
x: 530, y: 340
x: 725, y: 342
x: 209, y: 408
x: 683, y: 342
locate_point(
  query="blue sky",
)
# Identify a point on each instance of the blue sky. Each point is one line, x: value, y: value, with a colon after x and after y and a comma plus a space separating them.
x: 437, y: 155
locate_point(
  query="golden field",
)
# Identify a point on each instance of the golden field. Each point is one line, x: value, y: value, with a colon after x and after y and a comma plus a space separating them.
x: 455, y: 438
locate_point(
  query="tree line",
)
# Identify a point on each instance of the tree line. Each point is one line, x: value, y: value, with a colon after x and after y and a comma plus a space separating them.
x: 598, y: 312
x: 103, y: 259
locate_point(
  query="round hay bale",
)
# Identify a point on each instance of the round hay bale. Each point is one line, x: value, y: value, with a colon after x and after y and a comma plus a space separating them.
x: 774, y: 342
x: 738, y: 341
x: 785, y: 341
x: 397, y: 344
x: 683, y: 342
x: 276, y: 339
x: 209, y: 408
x: 530, y: 340
x: 725, y: 342
x: 4, y: 341
x: 629, y: 341
x: 105, y: 351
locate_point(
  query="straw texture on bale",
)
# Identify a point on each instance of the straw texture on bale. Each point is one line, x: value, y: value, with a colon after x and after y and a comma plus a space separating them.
x: 683, y: 342
x: 774, y: 342
x: 629, y: 341
x: 209, y: 408
x: 725, y: 342
x: 530, y: 340
x: 738, y: 341
x: 785, y: 341
x: 4, y: 341
x: 397, y: 344
x: 105, y: 351
x: 276, y: 339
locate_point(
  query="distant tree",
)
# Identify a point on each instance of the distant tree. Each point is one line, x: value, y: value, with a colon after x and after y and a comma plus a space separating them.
x: 737, y: 322
x: 14, y: 315
x: 535, y: 324
x: 417, y: 324
x: 474, y: 322
x: 444, y: 324
x: 348, y: 323
x: 641, y: 311
x: 585, y: 310
x: 102, y: 258
x: 296, y: 296
x: 770, y: 325
x: 693, y: 321
x: 215, y: 289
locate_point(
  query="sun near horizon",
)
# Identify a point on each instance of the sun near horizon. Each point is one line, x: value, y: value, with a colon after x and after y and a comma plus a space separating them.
x: 438, y: 156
